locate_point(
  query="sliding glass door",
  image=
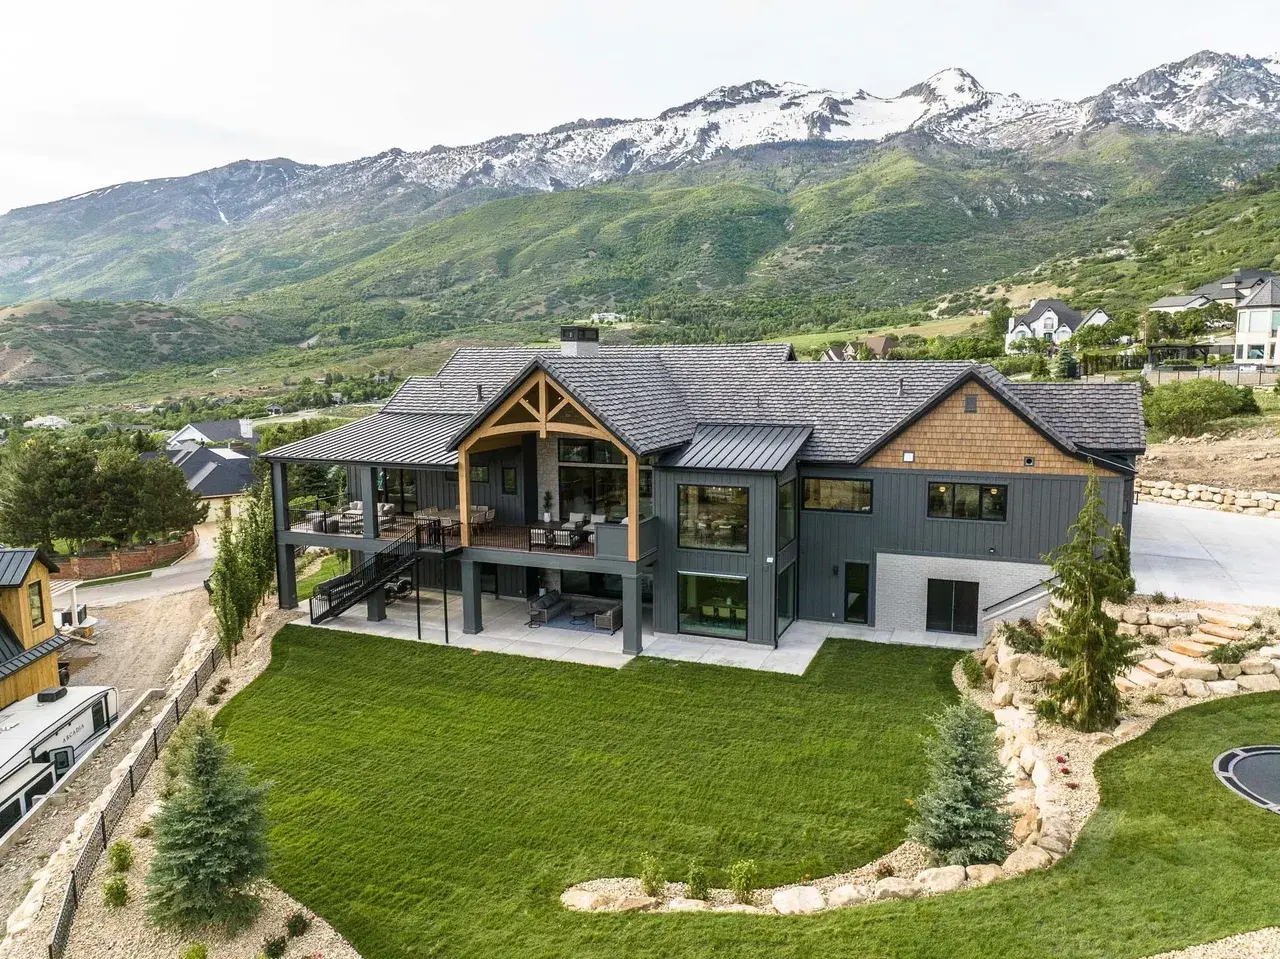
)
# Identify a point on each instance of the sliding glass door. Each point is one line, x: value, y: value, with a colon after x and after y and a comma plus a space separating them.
x: 952, y: 607
x: 713, y: 605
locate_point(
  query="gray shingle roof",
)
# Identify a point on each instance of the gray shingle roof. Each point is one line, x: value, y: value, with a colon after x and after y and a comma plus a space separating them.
x: 1093, y: 416
x: 1168, y: 301
x: 1244, y: 280
x: 1268, y: 294
x: 209, y: 474
x: 14, y: 564
x: 393, y: 439
x: 1067, y: 316
x: 224, y: 431
x: 657, y: 398
x: 758, y: 447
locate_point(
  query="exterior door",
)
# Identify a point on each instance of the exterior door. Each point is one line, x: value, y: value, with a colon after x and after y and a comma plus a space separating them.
x: 952, y: 607
x: 62, y: 759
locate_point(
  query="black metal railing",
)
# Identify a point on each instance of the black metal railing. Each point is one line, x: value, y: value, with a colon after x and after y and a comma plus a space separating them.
x: 337, y: 595
x: 531, y: 538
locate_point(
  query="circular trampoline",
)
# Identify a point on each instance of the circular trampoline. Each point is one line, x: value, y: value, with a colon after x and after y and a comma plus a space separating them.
x: 1252, y: 772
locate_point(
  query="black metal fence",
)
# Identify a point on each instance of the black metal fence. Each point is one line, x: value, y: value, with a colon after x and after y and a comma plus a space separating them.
x: 1236, y: 375
x: 126, y: 789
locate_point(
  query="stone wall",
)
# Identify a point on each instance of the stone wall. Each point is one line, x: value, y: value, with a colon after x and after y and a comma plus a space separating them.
x: 1250, y: 502
x: 123, y: 562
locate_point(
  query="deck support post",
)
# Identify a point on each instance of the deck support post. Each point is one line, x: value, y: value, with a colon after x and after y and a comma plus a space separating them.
x: 472, y: 618
x: 632, y: 614
x: 286, y: 572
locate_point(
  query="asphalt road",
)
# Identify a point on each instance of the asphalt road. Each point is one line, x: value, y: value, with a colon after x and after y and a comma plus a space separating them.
x: 163, y: 582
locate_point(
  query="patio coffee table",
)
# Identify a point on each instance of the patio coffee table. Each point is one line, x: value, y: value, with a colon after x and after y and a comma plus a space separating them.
x: 581, y: 615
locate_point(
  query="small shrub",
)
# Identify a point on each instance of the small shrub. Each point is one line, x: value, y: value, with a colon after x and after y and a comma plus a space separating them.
x: 974, y: 674
x: 1024, y: 636
x: 743, y: 876
x: 1227, y: 653
x: 115, y: 892
x: 145, y: 830
x: 698, y: 881
x: 1048, y: 710
x: 1185, y: 408
x: 120, y: 856
x: 197, y: 950
x: 213, y: 699
x: 1158, y: 598
x: 178, y: 750
x: 1153, y: 699
x: 884, y: 869
x: 651, y: 878
x: 297, y: 924
x: 273, y: 947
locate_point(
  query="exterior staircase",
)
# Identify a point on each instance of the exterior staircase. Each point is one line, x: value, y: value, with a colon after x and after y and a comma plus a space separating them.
x: 1216, y: 629
x: 333, y: 597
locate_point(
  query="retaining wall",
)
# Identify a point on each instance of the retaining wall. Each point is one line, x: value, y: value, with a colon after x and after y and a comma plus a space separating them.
x: 1249, y: 502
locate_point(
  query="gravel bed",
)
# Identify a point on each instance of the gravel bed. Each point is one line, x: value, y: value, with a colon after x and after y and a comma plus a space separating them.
x: 1260, y: 944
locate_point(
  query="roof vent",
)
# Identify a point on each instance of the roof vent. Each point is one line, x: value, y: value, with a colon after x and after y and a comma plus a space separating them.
x: 902, y: 386
x: 479, y: 392
x: 51, y: 695
x: 579, y: 341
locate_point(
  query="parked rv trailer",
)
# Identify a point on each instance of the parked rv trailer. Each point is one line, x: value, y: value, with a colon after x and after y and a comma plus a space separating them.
x: 42, y: 736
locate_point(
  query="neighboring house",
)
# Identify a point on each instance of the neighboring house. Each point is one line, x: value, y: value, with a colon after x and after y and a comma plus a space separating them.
x: 1052, y: 321
x: 740, y: 489
x: 878, y: 346
x: 221, y: 476
x: 214, y: 433
x: 608, y: 317
x: 1234, y: 288
x: 274, y: 410
x: 47, y: 423
x: 29, y: 640
x: 1258, y: 324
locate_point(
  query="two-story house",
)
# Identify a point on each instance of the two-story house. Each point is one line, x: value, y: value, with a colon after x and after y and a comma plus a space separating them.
x: 724, y: 491
x: 1052, y: 321
x: 1258, y: 324
x: 29, y: 640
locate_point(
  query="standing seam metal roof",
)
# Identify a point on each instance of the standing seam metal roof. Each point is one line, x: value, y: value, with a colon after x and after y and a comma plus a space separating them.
x: 14, y: 564
x: 755, y: 447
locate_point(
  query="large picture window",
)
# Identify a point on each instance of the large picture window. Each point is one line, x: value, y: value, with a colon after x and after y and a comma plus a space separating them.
x: 713, y: 517
x: 786, y: 513
x: 840, y: 495
x: 952, y: 607
x: 598, y: 486
x: 786, y: 599
x: 713, y: 605
x: 857, y: 590
x: 35, y: 603
x: 968, y: 501
x: 400, y: 488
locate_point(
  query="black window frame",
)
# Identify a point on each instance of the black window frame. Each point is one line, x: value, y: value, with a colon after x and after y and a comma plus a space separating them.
x: 35, y: 604
x: 935, y: 590
x: 869, y: 484
x: 479, y: 474
x: 951, y: 501
x: 746, y: 526
x: 510, y: 481
x: 866, y: 620
x: 792, y: 512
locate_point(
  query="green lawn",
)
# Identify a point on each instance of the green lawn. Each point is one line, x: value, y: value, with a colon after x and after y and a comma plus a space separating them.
x: 435, y: 802
x: 331, y: 566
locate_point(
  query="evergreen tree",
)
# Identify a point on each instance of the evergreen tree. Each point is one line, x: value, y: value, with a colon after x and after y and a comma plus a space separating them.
x: 211, y: 842
x: 1083, y: 638
x: 1117, y: 553
x: 1064, y: 362
x: 958, y: 817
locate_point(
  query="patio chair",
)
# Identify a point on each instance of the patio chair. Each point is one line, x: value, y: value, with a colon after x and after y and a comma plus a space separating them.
x: 610, y: 619
x: 740, y: 613
x: 565, y: 538
x: 575, y: 520
x: 539, y: 538
x: 724, y: 612
x: 708, y: 612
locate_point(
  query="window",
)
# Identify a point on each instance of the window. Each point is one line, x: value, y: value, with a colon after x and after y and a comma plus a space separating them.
x: 713, y: 605
x: 971, y: 403
x: 479, y: 474
x: 786, y: 513
x: 400, y: 488
x: 601, y: 452
x: 713, y: 517
x: 1257, y: 352
x: 510, y: 481
x: 99, y: 715
x: 968, y: 501
x: 1258, y: 321
x: 1239, y: 352
x: 599, y: 485
x: 35, y: 603
x: 786, y: 599
x: 952, y: 607
x: 842, y: 495
x: 857, y: 588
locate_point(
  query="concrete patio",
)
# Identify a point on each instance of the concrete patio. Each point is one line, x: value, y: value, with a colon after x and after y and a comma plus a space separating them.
x: 507, y: 630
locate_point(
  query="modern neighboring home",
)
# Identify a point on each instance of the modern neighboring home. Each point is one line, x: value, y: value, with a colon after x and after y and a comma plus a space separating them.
x: 214, y: 433
x: 1052, y: 321
x: 717, y: 491
x: 1176, y: 304
x: 222, y: 476
x: 1234, y: 288
x: 879, y: 347
x: 47, y: 423
x: 1258, y: 324
x: 29, y: 640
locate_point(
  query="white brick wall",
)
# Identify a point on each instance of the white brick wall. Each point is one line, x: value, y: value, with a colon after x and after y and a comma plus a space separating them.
x: 902, y: 584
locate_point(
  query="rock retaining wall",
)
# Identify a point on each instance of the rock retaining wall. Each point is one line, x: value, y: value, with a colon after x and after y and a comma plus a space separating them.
x: 1249, y: 502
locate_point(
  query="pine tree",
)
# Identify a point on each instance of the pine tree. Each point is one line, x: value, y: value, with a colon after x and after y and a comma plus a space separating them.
x: 211, y: 842
x: 1064, y: 362
x: 1117, y: 553
x: 958, y: 817
x: 1088, y: 571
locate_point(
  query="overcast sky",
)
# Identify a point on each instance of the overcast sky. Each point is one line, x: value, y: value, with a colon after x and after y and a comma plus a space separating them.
x: 97, y: 93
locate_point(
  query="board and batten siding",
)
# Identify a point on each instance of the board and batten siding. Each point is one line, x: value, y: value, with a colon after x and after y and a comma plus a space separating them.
x: 754, y: 564
x: 1040, y: 509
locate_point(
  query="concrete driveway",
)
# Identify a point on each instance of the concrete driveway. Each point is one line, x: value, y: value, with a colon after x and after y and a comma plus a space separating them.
x: 1203, y: 554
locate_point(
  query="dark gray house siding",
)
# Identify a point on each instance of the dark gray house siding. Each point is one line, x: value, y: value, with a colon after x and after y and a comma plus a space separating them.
x: 1040, y: 509
x: 755, y: 564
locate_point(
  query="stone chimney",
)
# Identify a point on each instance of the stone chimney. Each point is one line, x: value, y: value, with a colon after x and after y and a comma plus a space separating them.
x: 579, y: 341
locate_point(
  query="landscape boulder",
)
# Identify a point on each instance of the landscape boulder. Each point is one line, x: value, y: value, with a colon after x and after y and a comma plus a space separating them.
x: 1256, y: 666
x: 1002, y: 695
x: 1229, y: 670
x: 584, y: 900
x: 941, y: 879
x: 798, y: 901
x: 848, y: 895
x: 1137, y: 617
x: 1260, y: 684
x: 1195, y: 688
x: 1223, y: 687
x: 1201, y: 671
x: 1169, y: 687
x: 984, y: 873
x: 635, y: 904
x: 894, y: 887
x: 1027, y: 859
x: 1167, y: 620
x: 681, y: 904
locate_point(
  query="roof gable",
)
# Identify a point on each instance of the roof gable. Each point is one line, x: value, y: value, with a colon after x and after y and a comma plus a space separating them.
x: 16, y: 563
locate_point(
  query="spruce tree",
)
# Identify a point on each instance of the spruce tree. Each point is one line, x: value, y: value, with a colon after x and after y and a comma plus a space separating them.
x: 211, y: 842
x: 1082, y: 637
x: 958, y: 817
